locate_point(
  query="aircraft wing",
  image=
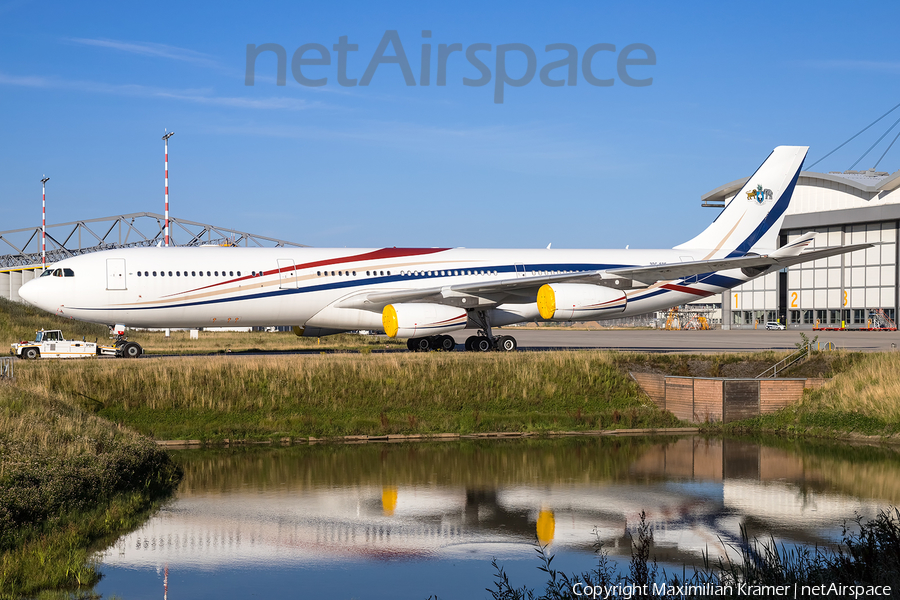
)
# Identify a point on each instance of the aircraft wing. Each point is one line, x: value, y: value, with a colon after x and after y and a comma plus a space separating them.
x: 489, y: 292
x: 524, y: 289
x: 654, y: 273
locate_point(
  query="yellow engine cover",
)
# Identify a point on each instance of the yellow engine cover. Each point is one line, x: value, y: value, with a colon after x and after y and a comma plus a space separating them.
x: 546, y: 301
x: 390, y: 321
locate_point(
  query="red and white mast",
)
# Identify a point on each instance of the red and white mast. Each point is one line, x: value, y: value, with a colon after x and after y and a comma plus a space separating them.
x: 166, y: 140
x: 44, y: 223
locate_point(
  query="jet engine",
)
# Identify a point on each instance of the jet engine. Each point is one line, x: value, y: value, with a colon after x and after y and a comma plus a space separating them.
x: 579, y: 301
x: 420, y: 320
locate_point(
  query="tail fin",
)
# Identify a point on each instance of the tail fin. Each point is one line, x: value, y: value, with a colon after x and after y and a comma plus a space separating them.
x: 752, y: 219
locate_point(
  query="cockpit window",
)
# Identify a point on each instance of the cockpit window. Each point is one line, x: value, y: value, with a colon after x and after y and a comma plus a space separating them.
x: 47, y: 273
x: 68, y: 273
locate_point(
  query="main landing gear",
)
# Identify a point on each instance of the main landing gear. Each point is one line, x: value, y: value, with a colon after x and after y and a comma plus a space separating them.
x: 433, y: 342
x: 485, y: 341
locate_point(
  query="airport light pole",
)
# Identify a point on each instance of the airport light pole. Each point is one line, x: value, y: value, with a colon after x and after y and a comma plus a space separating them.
x: 44, y: 223
x: 166, y: 140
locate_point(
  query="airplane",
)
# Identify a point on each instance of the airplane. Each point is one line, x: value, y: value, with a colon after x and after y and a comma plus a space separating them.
x: 424, y: 294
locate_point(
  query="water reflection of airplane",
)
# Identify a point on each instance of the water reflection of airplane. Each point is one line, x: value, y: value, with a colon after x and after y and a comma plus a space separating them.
x: 696, y: 495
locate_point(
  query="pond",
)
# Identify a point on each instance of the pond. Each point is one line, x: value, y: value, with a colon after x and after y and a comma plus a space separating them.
x: 373, y: 521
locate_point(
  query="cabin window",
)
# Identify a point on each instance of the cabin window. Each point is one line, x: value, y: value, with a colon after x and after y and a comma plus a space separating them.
x: 170, y: 273
x: 239, y: 273
x: 231, y: 273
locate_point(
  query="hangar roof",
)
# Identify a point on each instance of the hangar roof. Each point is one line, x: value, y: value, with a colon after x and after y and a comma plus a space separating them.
x: 866, y: 182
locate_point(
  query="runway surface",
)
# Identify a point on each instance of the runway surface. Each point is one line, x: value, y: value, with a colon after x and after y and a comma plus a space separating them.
x: 643, y: 340
x: 696, y: 341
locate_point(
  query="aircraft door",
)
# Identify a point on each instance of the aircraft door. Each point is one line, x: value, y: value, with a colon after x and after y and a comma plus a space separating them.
x: 287, y: 274
x: 520, y: 271
x: 115, y: 274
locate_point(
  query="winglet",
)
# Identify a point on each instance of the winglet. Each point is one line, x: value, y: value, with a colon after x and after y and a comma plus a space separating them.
x: 795, y: 247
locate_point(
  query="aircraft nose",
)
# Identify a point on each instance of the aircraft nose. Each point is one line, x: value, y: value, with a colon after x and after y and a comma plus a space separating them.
x: 28, y: 292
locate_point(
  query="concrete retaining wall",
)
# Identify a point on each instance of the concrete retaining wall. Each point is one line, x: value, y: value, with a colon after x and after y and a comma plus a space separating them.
x: 717, y: 400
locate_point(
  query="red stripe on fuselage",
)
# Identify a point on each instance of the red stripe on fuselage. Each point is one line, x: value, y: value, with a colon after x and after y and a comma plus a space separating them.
x: 687, y: 290
x: 384, y: 253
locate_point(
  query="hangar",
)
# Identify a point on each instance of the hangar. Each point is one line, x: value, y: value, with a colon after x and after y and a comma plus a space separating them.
x: 855, y: 290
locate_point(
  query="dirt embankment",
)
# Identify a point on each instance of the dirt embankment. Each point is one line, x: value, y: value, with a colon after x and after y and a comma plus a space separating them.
x: 820, y: 364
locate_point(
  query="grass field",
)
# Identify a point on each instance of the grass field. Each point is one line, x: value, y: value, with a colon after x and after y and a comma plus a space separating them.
x: 862, y: 398
x: 69, y: 480
x: 327, y: 395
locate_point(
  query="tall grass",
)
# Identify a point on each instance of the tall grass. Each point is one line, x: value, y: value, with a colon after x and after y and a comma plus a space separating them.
x: 68, y: 479
x: 20, y: 321
x: 863, y: 397
x: 269, y: 396
x: 870, y: 388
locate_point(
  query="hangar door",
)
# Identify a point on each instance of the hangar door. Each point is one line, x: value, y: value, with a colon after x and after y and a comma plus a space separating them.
x: 115, y: 273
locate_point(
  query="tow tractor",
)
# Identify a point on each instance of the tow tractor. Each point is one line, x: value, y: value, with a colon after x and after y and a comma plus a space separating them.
x: 51, y: 344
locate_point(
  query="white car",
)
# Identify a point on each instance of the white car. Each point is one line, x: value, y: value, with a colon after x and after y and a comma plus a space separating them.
x: 774, y: 325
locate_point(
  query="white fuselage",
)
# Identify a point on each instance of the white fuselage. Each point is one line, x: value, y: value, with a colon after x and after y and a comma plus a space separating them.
x: 222, y: 286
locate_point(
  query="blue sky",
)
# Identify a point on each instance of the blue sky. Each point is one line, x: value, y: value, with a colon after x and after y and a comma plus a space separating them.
x: 87, y: 91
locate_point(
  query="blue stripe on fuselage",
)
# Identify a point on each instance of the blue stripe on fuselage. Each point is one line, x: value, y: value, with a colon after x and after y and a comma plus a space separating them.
x: 370, y: 281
